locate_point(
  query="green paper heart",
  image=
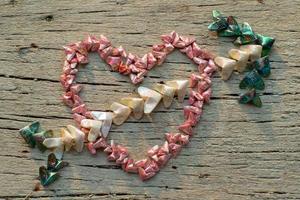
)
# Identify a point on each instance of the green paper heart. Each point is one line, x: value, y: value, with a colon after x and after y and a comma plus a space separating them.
x: 252, y: 80
x: 219, y: 23
x: 251, y: 97
x: 55, y: 164
x: 28, y: 131
x: 266, y: 42
x: 247, y: 35
x: 233, y: 28
x: 262, y: 66
x: 47, y: 177
x: 256, y: 101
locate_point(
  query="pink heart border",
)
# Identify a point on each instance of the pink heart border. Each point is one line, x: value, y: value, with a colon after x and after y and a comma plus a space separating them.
x: 136, y: 68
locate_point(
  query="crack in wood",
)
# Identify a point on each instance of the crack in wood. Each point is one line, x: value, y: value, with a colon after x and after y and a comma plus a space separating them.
x: 211, y: 5
x: 103, y: 166
x: 94, y: 11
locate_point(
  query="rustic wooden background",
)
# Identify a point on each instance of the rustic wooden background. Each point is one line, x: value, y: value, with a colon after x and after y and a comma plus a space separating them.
x: 239, y: 152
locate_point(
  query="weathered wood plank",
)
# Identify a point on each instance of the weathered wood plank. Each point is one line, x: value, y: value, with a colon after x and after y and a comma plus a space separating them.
x: 237, y: 153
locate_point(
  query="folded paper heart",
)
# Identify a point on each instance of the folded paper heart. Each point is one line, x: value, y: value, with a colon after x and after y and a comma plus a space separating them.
x: 262, y: 66
x: 120, y: 113
x: 251, y: 97
x: 241, y: 58
x: 106, y: 119
x: 29, y: 131
x: 253, y: 50
x: 49, y: 174
x: 252, y: 80
x: 151, y: 97
x: 168, y: 93
x: 95, y: 128
x: 226, y: 65
x: 180, y: 88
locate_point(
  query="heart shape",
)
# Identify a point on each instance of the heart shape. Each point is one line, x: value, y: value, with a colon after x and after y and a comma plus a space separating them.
x: 136, y: 68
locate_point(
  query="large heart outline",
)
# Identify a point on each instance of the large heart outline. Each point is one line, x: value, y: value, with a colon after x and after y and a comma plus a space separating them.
x: 137, y: 67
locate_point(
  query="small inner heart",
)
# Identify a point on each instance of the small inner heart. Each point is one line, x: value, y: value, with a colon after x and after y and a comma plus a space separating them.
x: 103, y: 87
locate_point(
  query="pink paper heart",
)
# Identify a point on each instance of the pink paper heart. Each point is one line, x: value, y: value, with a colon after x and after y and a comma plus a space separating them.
x: 136, y: 68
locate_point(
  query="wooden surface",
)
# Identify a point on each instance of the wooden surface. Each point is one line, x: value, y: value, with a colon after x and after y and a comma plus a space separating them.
x: 239, y: 152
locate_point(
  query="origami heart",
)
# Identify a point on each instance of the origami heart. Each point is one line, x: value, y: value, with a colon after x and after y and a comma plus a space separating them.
x: 136, y: 68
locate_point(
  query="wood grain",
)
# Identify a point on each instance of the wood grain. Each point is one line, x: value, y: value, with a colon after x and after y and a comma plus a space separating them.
x: 239, y: 152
